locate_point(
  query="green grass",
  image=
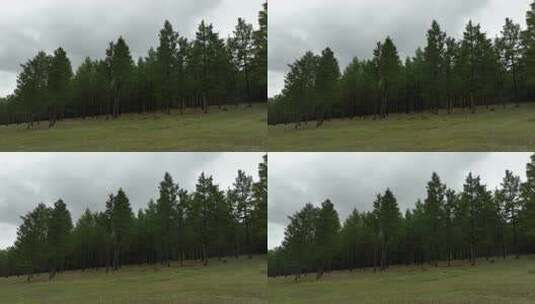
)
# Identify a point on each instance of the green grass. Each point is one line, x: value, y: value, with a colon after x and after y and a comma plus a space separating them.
x: 242, y: 281
x: 504, y: 282
x: 238, y: 129
x: 510, y: 129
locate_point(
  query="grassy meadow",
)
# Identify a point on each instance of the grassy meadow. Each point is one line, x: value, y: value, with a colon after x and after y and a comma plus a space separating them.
x: 237, y: 281
x: 510, y: 129
x: 503, y: 282
x: 237, y: 129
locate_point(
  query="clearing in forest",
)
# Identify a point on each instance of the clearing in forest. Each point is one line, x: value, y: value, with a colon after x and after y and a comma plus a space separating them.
x: 232, y: 281
x: 232, y: 128
x: 494, y: 129
x: 510, y: 281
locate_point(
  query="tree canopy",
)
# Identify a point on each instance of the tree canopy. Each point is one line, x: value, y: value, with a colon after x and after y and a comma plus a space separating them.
x: 446, y: 74
x: 178, y: 74
x: 446, y: 228
x: 178, y: 225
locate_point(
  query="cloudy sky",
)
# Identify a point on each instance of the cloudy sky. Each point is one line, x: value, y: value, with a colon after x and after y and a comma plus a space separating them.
x: 352, y: 180
x: 84, y: 180
x: 352, y: 28
x: 84, y: 27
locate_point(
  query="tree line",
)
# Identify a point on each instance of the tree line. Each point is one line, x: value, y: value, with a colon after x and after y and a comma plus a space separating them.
x: 177, y: 226
x: 447, y: 228
x: 444, y: 75
x: 178, y: 74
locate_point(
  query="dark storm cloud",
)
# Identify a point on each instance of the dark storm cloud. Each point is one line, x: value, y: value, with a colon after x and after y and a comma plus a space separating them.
x: 84, y: 180
x: 352, y: 180
x: 84, y: 27
x: 352, y: 28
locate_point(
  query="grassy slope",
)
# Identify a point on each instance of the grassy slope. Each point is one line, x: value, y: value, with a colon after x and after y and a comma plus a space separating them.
x: 510, y: 129
x: 242, y: 281
x: 512, y: 281
x: 239, y: 129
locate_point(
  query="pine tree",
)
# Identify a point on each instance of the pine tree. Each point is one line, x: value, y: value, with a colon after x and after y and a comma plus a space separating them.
x: 527, y: 218
x: 120, y: 217
x: 32, y: 86
x: 327, y: 229
x: 259, y: 64
x: 32, y: 240
x: 434, y: 62
x: 242, y: 49
x: 528, y: 54
x: 59, y: 237
x: 203, y: 210
x: 167, y: 70
x: 201, y: 58
x: 328, y: 76
x: 512, y: 204
x: 509, y: 46
x: 386, y: 210
x: 85, y: 236
x: 388, y: 65
x: 244, y: 206
x: 434, y: 208
x: 299, y: 239
x: 260, y: 194
x: 120, y: 66
x: 59, y: 84
x: 451, y: 77
x: 450, y: 206
x: 84, y: 86
x: 165, y: 213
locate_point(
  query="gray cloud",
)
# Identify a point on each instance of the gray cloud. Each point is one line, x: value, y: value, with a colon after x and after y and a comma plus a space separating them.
x: 352, y: 28
x: 84, y: 27
x: 352, y: 180
x: 83, y: 180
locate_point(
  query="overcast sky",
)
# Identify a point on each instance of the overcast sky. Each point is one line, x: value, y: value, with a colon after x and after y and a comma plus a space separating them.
x: 352, y: 180
x: 84, y: 27
x: 352, y: 28
x: 84, y: 180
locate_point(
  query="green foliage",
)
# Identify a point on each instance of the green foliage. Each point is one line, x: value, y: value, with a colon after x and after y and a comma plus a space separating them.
x: 446, y: 74
x: 260, y: 215
x: 179, y: 74
x: 178, y: 226
x: 446, y: 228
x: 59, y: 236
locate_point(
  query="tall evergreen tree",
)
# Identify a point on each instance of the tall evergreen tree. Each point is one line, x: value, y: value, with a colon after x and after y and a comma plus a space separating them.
x: 59, y: 237
x: 166, y: 216
x: 120, y: 217
x: 260, y: 215
x: 328, y: 76
x: 528, y: 54
x: 242, y: 49
x: 327, y: 229
x: 167, y: 69
x: 299, y: 239
x: 244, y: 206
x: 120, y: 65
x: 512, y: 203
x: 59, y: 82
x: 509, y: 46
x: 434, y: 62
x: 528, y: 201
x: 32, y: 240
x: 435, y: 215
x: 388, y: 67
x: 386, y: 210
